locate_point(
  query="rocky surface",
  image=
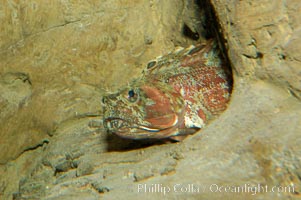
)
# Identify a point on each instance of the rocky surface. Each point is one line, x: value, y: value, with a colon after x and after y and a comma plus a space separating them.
x: 57, y: 60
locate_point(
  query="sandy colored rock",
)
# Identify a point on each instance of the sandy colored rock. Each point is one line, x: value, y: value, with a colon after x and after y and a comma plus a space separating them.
x: 262, y: 37
x: 57, y: 60
x: 72, y: 52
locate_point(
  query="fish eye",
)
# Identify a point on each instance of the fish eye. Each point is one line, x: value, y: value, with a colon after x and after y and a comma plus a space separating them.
x: 131, y: 93
x: 132, y: 96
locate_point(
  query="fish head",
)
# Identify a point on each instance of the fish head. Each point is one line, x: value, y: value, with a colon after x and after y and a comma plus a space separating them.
x: 144, y: 110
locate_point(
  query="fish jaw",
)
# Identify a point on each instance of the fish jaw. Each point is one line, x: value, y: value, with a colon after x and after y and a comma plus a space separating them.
x: 155, y: 114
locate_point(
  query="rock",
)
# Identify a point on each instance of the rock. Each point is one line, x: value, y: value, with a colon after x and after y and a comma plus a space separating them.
x: 56, y: 62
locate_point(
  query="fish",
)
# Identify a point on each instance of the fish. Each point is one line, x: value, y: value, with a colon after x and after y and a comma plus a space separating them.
x: 176, y: 95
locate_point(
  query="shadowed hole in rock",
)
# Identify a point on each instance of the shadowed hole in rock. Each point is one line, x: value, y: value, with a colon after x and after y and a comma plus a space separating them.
x: 208, y: 29
x: 116, y: 143
x: 189, y: 33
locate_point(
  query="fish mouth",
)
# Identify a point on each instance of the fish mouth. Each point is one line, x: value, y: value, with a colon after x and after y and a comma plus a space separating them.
x: 118, y: 125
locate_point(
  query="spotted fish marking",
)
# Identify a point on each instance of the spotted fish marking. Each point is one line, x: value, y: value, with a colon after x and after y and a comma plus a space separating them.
x: 176, y: 95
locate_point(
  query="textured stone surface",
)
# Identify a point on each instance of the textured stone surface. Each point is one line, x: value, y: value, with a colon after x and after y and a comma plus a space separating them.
x: 56, y: 59
x: 263, y: 38
x: 70, y: 52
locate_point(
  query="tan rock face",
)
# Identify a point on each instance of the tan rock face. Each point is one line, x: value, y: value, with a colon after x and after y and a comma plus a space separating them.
x: 58, y: 58
x: 70, y: 52
x: 265, y: 37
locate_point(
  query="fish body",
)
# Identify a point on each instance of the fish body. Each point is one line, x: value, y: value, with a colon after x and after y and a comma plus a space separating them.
x: 177, y: 95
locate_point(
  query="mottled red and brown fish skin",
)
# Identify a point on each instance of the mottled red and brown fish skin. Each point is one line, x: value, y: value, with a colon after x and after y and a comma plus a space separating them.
x: 177, y: 95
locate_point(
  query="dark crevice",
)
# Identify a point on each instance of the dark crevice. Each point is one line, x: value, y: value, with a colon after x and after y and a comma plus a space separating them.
x: 258, y: 55
x: 189, y: 33
x: 46, y: 141
x: 209, y: 23
x: 116, y: 143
